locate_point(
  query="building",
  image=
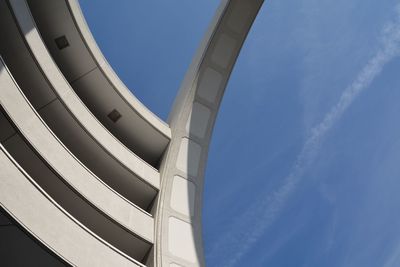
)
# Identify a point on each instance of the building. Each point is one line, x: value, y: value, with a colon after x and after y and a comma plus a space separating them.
x: 88, y: 175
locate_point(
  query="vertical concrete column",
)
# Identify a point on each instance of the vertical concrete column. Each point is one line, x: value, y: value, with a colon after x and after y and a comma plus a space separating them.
x: 178, y: 218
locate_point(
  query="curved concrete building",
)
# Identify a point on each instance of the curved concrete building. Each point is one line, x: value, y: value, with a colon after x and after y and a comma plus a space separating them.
x: 88, y: 175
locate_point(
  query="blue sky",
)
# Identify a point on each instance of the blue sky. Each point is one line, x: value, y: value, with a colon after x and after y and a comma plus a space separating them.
x: 304, y: 164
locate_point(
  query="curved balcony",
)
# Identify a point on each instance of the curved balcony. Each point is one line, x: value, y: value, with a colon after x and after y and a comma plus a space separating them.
x: 55, y: 101
x: 62, y: 176
x: 14, y: 239
x: 41, y: 216
x: 72, y: 46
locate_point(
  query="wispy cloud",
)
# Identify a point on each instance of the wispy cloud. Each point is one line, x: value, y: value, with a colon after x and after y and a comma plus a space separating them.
x: 264, y: 214
x: 394, y: 259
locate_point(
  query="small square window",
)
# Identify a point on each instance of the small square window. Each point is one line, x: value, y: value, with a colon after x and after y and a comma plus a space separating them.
x: 61, y: 42
x: 114, y: 115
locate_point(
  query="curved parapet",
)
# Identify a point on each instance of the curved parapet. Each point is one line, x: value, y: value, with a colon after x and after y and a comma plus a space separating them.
x: 76, y: 188
x: 86, y: 69
x: 44, y: 219
x: 15, y: 238
x: 50, y: 93
x: 178, y: 221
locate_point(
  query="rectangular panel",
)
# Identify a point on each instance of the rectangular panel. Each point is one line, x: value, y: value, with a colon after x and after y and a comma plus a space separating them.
x: 183, y: 196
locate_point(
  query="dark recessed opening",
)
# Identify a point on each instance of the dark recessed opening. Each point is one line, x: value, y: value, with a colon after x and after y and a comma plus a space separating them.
x: 114, y: 115
x: 61, y: 42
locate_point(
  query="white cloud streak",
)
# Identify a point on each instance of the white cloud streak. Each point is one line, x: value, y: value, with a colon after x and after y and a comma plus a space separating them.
x: 394, y: 259
x: 269, y: 208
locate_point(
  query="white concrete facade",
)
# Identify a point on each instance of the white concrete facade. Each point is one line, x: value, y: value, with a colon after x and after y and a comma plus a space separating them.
x: 75, y: 177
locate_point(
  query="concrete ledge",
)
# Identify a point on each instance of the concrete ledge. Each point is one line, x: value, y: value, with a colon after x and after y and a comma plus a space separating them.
x: 50, y: 224
x: 69, y: 98
x: 110, y: 74
x: 67, y: 166
x: 89, y: 74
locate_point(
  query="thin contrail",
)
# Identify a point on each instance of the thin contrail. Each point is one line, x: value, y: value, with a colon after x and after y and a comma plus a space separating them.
x: 269, y: 208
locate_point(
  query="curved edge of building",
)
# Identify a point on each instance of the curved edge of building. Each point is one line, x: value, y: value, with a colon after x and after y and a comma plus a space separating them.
x: 178, y: 221
x: 73, y: 103
x: 59, y: 232
x: 119, y: 86
x: 69, y: 41
x: 31, y: 127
